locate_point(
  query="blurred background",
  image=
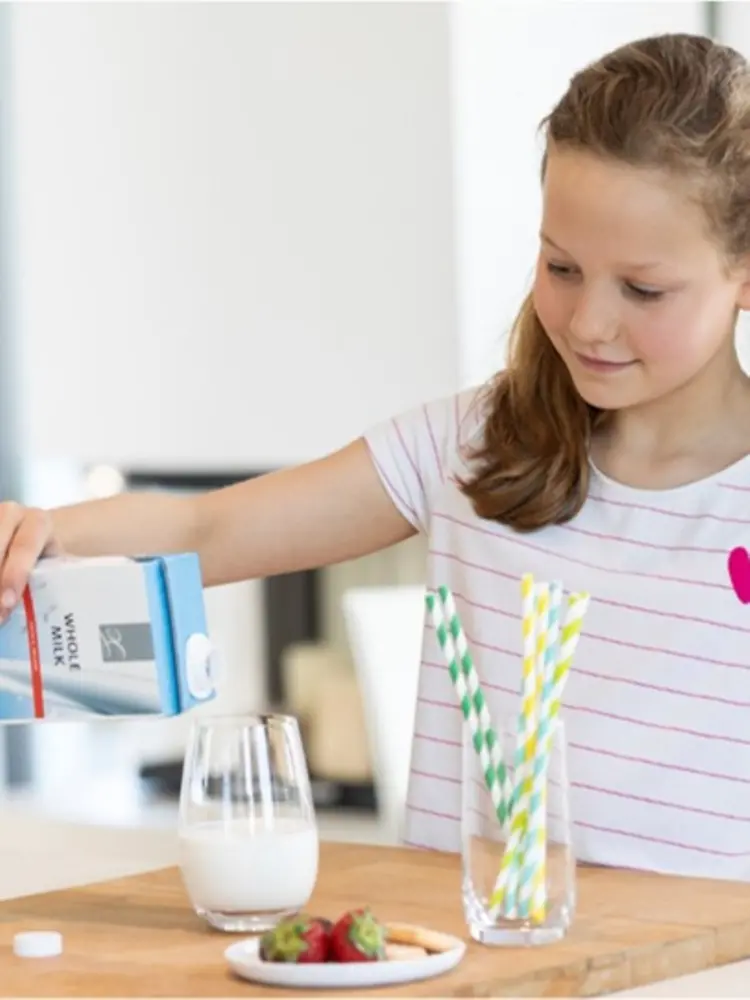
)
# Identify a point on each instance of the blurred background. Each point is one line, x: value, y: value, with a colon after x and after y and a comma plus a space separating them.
x: 232, y: 236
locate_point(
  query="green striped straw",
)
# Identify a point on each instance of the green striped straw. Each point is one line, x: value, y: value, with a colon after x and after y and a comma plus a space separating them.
x: 475, y: 691
x: 473, y: 706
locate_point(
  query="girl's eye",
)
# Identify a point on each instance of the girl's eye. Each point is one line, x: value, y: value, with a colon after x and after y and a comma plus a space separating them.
x: 567, y: 272
x: 560, y: 270
x: 644, y: 294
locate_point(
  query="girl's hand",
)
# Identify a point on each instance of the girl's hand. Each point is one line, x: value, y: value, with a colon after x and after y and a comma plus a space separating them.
x: 26, y: 534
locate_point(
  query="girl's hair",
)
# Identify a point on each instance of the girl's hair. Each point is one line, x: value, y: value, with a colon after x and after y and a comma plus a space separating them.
x: 674, y: 102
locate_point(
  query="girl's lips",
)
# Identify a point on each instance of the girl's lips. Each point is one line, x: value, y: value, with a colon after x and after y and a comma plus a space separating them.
x: 597, y: 365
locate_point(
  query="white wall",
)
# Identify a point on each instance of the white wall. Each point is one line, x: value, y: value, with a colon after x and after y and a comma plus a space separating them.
x: 511, y: 63
x: 235, y: 226
x: 236, y: 221
x: 733, y: 24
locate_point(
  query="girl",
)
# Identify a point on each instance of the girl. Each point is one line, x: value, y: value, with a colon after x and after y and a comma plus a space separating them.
x: 613, y: 454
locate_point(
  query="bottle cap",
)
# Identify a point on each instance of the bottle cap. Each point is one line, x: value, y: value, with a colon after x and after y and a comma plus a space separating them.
x: 38, y: 944
x: 200, y: 666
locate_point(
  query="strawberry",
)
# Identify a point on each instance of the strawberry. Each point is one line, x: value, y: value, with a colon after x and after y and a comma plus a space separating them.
x: 297, y: 939
x: 358, y: 937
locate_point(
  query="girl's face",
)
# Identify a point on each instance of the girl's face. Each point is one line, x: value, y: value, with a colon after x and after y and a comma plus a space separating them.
x: 630, y: 288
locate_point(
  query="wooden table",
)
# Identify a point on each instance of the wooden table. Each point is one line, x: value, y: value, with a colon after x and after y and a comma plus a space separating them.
x: 138, y: 937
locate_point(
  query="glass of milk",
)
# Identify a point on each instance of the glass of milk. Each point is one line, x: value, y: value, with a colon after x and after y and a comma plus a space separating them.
x: 248, y: 837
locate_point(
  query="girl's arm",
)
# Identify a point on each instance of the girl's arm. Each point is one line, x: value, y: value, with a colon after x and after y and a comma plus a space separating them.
x: 313, y: 515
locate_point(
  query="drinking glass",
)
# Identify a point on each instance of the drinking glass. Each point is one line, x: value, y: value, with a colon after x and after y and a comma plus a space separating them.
x: 248, y: 836
x: 538, y: 897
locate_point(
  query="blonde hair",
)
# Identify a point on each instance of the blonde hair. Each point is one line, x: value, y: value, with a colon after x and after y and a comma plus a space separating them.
x: 675, y: 102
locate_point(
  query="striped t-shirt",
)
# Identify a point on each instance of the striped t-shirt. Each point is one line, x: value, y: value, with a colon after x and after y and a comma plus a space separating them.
x: 657, y: 706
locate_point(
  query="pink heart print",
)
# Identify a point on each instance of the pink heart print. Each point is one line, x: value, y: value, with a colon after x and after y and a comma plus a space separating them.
x: 739, y: 573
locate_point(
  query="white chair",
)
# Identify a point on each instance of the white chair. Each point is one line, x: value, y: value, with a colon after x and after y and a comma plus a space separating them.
x: 385, y: 625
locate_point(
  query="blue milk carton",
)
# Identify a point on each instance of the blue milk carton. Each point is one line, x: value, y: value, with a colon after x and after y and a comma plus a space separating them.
x: 107, y: 637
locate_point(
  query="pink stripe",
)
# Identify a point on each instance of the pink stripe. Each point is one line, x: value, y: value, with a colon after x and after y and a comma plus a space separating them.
x: 393, y: 491
x: 438, y: 704
x: 485, y: 814
x: 691, y: 657
x: 659, y: 802
x: 449, y: 816
x: 599, y: 600
x: 437, y: 739
x: 734, y: 486
x: 432, y: 812
x: 629, y: 645
x: 629, y: 681
x: 615, y: 680
x: 630, y: 834
x: 660, y: 726
x: 438, y: 463
x: 479, y: 784
x: 600, y: 713
x: 436, y: 777
x: 684, y: 769
x: 408, y: 454
x: 662, y: 689
x: 418, y: 845
x: 631, y: 797
x: 601, y: 752
x: 668, y: 513
x: 639, y: 543
x: 616, y: 604
x: 660, y: 840
x: 566, y: 557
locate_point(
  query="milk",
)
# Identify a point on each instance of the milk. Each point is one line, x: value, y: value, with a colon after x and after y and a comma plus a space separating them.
x: 107, y: 637
x: 240, y: 868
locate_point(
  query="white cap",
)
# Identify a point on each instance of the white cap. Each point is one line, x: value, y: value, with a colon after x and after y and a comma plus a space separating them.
x: 38, y: 944
x: 200, y: 666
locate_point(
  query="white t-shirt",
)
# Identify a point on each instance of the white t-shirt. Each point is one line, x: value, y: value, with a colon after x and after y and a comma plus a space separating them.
x: 657, y: 706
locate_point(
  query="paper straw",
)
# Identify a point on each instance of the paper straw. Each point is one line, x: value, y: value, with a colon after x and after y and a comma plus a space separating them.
x: 553, y: 630
x: 570, y: 633
x: 534, y: 604
x: 475, y: 691
x: 475, y: 712
x: 531, y: 860
x: 526, y: 721
x: 536, y: 837
x: 531, y: 888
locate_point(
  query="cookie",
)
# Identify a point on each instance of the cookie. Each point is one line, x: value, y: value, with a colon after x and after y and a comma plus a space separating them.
x: 420, y: 937
x: 403, y: 952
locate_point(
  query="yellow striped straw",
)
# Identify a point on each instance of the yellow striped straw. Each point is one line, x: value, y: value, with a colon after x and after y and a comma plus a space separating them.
x: 528, y: 682
x: 534, y: 601
x: 520, y: 889
x: 535, y: 841
x: 570, y: 633
x: 524, y: 728
x: 542, y: 594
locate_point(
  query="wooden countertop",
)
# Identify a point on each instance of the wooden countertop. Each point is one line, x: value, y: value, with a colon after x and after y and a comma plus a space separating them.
x: 138, y: 937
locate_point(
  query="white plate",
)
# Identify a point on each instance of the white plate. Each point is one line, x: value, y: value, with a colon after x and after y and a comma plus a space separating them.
x: 245, y: 961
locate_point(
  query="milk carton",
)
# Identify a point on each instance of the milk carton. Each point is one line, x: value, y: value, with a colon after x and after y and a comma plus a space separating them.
x: 107, y: 637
